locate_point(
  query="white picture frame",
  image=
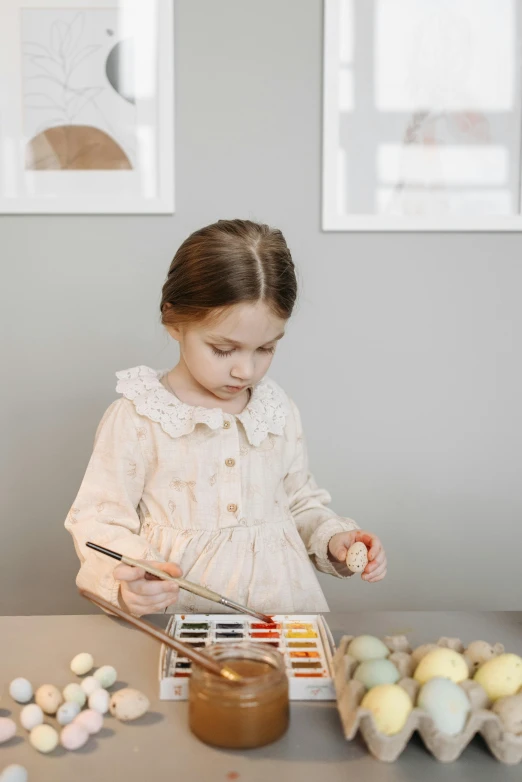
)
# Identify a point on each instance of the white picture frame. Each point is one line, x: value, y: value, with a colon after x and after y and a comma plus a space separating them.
x: 374, y: 178
x: 87, y: 107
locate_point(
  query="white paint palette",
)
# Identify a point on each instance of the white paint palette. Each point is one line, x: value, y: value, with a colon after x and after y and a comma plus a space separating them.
x: 305, y: 641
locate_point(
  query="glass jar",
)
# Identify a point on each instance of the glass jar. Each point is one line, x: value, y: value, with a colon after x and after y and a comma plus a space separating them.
x: 238, y: 715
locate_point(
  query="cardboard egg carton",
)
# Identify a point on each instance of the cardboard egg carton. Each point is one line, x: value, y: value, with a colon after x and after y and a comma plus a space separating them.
x: 506, y: 747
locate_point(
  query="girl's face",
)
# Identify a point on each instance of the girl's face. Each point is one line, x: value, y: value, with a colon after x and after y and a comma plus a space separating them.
x: 228, y: 356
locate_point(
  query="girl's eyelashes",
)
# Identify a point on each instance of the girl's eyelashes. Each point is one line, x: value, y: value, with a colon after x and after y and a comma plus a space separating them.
x: 224, y: 353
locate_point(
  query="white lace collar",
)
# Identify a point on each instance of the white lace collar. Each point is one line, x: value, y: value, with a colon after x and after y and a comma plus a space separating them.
x: 265, y: 413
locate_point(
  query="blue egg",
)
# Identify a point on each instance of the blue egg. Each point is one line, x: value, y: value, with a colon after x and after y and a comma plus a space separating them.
x: 446, y: 703
x: 371, y: 673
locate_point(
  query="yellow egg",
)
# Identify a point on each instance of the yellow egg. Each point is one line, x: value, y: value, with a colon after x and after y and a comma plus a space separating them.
x: 443, y: 663
x: 501, y: 676
x: 390, y: 705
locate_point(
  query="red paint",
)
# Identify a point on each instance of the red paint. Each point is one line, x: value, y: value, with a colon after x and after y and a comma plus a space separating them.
x: 271, y: 626
x: 264, y: 635
x: 308, y: 675
x: 181, y: 675
x: 232, y: 775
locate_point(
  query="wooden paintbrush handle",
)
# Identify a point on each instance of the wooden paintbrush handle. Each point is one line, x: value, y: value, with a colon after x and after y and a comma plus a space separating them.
x: 189, y: 586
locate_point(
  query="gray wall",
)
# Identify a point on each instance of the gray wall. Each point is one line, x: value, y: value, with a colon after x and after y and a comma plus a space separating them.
x: 401, y: 356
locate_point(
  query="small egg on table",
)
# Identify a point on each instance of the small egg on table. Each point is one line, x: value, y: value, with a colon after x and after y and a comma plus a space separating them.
x: 91, y: 720
x: 14, y: 773
x: 67, y: 712
x: 128, y: 704
x: 106, y: 675
x: 90, y: 685
x: 74, y: 692
x: 7, y: 729
x: 31, y: 716
x: 82, y: 663
x: 21, y: 690
x: 48, y: 697
x: 99, y: 701
x: 74, y: 736
x: 44, y: 738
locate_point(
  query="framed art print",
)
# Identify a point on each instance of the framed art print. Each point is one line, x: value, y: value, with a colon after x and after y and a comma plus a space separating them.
x: 422, y: 121
x: 87, y: 107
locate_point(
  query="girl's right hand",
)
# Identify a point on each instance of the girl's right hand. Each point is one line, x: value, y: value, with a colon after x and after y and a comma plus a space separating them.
x: 141, y: 593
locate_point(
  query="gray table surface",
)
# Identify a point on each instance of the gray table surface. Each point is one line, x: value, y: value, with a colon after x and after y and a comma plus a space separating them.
x: 160, y: 745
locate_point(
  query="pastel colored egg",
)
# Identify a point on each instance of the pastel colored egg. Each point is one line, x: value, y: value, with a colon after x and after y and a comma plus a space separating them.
x: 367, y: 647
x: 82, y: 663
x: 74, y: 692
x: 31, y: 716
x: 390, y: 706
x: 44, y: 738
x: 106, y: 675
x: 128, y: 704
x: 99, y: 701
x: 7, y: 729
x: 501, y: 676
x: 422, y: 651
x: 509, y: 710
x: 74, y: 736
x: 14, y: 773
x: 446, y: 703
x: 357, y: 557
x: 21, y: 690
x: 374, y: 672
x: 48, y: 697
x: 91, y: 720
x: 442, y: 663
x: 67, y: 712
x: 90, y: 685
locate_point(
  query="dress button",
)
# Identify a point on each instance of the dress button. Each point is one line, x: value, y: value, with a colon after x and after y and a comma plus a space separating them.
x: 230, y: 462
x: 226, y: 424
x: 231, y: 508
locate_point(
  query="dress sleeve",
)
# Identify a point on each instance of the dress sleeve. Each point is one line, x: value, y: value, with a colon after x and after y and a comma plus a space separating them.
x: 315, y: 522
x: 105, y: 509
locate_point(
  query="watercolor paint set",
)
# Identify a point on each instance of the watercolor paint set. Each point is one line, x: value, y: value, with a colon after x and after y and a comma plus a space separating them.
x: 305, y: 641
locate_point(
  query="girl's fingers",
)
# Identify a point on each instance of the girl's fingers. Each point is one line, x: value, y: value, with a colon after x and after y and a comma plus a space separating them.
x: 377, y: 574
x: 375, y: 563
x: 128, y: 573
x: 153, y: 588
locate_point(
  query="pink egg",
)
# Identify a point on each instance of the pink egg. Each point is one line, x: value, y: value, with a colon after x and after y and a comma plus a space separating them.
x: 7, y: 729
x: 73, y: 736
x: 89, y: 719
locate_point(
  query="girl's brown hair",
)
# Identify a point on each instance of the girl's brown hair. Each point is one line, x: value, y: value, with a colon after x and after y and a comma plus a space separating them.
x: 225, y: 263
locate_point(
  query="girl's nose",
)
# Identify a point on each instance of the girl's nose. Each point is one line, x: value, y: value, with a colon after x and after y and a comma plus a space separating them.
x: 243, y: 370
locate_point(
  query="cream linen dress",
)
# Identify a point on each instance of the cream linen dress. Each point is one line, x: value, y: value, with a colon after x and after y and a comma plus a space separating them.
x: 228, y: 497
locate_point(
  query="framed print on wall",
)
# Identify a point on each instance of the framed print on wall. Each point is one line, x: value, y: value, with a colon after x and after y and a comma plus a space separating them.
x: 87, y: 107
x: 422, y: 120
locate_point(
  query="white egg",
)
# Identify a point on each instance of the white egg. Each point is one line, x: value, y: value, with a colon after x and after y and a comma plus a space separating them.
x: 21, y: 690
x: 14, y: 773
x: 357, y: 557
x: 74, y: 692
x: 91, y: 720
x: 106, y: 675
x: 74, y: 736
x: 48, y: 697
x: 82, y: 663
x: 90, y: 685
x: 31, y: 716
x: 99, y: 701
x: 7, y: 729
x: 67, y: 712
x: 44, y: 738
x: 128, y: 704
x: 446, y: 703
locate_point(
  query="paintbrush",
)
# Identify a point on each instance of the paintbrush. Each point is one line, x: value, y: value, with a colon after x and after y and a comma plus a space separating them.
x: 200, y: 658
x: 189, y: 586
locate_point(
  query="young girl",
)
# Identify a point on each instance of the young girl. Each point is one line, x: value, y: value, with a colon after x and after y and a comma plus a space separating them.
x: 203, y: 469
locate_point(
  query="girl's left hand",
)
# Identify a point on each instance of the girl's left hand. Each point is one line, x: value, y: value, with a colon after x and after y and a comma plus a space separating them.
x: 339, y: 544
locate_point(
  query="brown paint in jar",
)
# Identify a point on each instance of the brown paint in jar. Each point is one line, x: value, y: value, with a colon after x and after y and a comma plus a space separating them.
x: 240, y: 715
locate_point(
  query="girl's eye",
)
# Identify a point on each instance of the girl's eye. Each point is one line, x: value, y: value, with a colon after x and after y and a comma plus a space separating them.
x: 221, y: 353
x: 268, y: 350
